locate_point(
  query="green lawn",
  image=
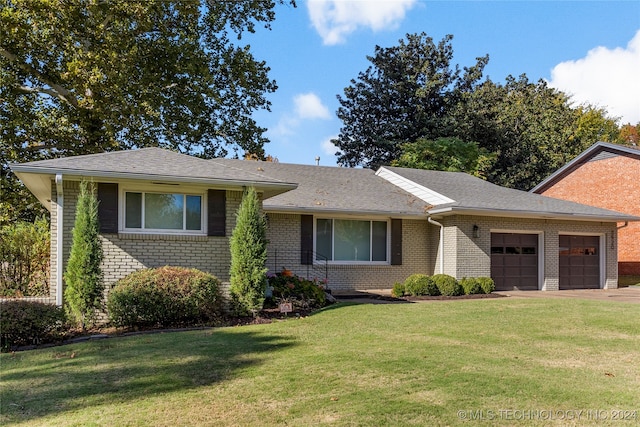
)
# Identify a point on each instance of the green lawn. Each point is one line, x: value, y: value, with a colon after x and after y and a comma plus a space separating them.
x: 628, y: 281
x: 506, y: 360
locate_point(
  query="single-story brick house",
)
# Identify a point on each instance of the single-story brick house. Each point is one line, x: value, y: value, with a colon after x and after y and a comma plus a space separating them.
x: 358, y: 228
x: 608, y: 176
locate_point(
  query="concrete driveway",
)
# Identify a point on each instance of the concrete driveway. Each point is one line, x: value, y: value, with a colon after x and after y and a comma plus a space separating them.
x: 630, y: 294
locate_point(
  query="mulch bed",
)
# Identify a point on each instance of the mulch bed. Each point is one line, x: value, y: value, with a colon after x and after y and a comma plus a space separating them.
x: 268, y: 315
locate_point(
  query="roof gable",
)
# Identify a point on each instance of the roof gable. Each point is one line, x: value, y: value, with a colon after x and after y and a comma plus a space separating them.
x: 598, y: 151
x: 474, y: 196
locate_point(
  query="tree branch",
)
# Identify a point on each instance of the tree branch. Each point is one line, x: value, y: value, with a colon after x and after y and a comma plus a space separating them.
x: 56, y: 90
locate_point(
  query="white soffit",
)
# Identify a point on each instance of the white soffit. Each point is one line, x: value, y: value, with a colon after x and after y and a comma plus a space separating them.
x: 429, y: 196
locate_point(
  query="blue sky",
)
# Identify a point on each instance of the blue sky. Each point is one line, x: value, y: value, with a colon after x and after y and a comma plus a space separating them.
x: 589, y: 49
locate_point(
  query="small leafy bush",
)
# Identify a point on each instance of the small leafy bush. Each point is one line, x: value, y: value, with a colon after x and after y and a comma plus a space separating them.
x: 303, y: 293
x: 420, y: 284
x: 471, y: 286
x: 398, y: 290
x: 26, y: 323
x: 167, y: 296
x: 487, y: 284
x: 24, y: 259
x: 447, y: 285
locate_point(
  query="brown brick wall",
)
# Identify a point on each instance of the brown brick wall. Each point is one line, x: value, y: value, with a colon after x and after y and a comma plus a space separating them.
x: 611, y: 183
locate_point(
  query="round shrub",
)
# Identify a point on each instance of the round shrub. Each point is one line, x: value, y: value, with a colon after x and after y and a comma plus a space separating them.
x: 487, y: 284
x: 447, y: 285
x: 420, y: 284
x: 398, y: 290
x: 470, y: 286
x: 167, y: 296
x: 26, y: 323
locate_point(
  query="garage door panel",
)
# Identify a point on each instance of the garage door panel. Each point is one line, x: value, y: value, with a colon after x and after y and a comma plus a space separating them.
x: 514, y: 261
x: 579, y: 261
x: 528, y: 261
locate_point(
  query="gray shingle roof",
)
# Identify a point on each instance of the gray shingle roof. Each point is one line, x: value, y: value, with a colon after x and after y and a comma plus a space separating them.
x: 474, y: 195
x: 299, y: 188
x: 150, y: 162
x: 332, y: 189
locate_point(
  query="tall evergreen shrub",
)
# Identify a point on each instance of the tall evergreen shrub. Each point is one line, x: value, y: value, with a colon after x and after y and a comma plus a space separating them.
x: 248, y: 256
x: 83, y: 277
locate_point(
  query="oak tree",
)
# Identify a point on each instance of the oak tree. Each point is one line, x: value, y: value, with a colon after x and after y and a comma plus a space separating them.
x: 86, y: 76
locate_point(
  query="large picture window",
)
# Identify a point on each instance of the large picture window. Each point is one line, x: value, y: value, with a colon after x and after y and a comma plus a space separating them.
x: 351, y: 240
x: 163, y: 211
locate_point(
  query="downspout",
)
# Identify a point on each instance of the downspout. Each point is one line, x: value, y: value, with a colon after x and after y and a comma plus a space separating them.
x: 440, y: 244
x: 59, y: 238
x: 626, y: 223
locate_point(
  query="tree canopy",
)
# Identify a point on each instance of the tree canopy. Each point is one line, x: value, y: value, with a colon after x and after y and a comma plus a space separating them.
x: 412, y: 96
x: 90, y: 76
x: 531, y: 128
x: 446, y: 154
x: 406, y: 94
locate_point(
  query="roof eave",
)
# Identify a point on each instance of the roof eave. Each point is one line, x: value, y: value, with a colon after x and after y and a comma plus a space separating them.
x: 330, y: 211
x: 507, y: 213
x: 37, y: 180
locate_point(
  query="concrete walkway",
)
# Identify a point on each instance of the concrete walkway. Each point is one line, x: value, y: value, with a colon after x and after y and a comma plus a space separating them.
x: 629, y: 294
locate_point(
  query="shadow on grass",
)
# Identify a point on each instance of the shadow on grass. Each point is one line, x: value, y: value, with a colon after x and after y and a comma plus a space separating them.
x: 62, y: 379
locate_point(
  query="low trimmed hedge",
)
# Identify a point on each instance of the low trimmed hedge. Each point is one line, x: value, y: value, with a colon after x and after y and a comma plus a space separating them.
x: 28, y: 323
x: 487, y: 284
x: 398, y: 290
x: 442, y: 284
x: 471, y: 286
x: 419, y: 285
x: 447, y: 285
x: 477, y: 285
x: 167, y: 296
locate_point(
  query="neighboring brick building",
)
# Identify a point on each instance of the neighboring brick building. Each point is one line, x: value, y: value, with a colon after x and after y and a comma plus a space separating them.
x: 358, y: 228
x: 607, y: 176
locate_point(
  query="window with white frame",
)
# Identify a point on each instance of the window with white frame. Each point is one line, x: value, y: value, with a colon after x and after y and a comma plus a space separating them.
x: 347, y: 240
x: 167, y: 212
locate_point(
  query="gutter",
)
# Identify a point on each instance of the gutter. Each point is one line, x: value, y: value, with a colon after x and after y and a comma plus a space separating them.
x: 507, y: 213
x: 441, y: 243
x: 25, y: 169
x: 341, y: 212
x: 59, y: 239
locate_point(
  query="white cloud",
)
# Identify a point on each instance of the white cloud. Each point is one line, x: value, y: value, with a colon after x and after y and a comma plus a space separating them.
x: 335, y: 19
x: 309, y: 106
x: 306, y: 106
x: 607, y: 78
x: 328, y: 148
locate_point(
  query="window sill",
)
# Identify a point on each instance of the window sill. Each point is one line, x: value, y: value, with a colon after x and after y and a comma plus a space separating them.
x: 354, y: 263
x: 158, y: 236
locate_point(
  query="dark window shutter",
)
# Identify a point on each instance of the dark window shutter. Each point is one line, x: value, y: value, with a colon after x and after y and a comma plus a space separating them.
x: 396, y: 242
x: 217, y: 213
x: 108, y: 207
x: 306, y: 239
